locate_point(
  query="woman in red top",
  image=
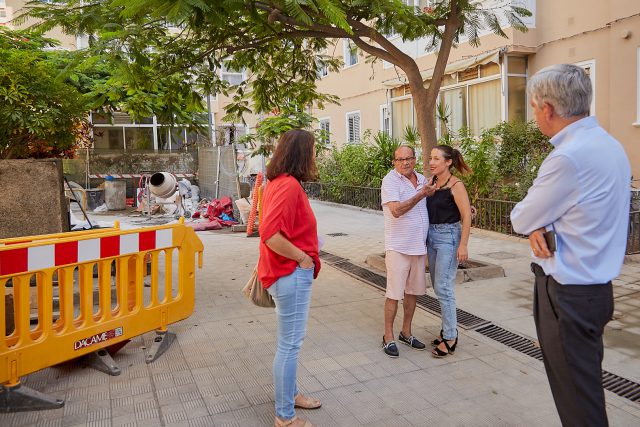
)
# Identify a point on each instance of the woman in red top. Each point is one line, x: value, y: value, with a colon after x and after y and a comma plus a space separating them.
x: 288, y: 263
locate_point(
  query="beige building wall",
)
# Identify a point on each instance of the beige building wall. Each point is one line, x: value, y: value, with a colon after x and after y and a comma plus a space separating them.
x: 604, y: 35
x: 14, y: 8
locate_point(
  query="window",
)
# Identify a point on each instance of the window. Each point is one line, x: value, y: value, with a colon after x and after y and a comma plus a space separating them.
x: 475, y: 104
x: 325, y: 128
x: 485, y: 105
x: 353, y: 127
x: 385, y: 119
x: 590, y: 68
x: 516, y: 88
x: 323, y: 69
x: 232, y: 76
x: 401, y: 116
x: 350, y: 53
x: 229, y: 133
x: 108, y: 138
x: 455, y: 108
x: 138, y: 138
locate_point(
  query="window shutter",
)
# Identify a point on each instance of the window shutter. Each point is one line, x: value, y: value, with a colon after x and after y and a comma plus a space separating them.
x: 353, y: 121
x: 356, y: 128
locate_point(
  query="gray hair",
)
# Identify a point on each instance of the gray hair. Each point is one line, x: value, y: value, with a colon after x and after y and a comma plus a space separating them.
x: 403, y: 145
x: 567, y: 87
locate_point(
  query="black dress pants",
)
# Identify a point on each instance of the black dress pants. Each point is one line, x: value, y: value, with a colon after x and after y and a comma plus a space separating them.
x: 570, y: 320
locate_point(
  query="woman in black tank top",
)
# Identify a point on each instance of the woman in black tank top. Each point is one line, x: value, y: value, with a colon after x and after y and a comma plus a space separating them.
x: 449, y: 226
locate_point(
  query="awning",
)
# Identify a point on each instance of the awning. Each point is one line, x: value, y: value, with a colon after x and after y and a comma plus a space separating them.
x: 452, y: 67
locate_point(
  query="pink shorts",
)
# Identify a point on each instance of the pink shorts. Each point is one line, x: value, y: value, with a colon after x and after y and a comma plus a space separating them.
x: 406, y: 274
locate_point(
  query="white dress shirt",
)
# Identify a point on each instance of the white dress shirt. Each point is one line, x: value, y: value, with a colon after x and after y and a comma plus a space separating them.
x: 581, y: 191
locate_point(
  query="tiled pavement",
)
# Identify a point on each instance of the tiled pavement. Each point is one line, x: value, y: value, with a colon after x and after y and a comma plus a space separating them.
x: 218, y: 372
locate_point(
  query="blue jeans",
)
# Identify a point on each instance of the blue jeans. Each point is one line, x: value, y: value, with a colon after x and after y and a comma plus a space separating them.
x: 442, y: 247
x: 292, y: 295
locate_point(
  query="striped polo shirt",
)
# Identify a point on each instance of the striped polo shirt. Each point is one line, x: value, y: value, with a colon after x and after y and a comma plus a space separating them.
x: 407, y: 234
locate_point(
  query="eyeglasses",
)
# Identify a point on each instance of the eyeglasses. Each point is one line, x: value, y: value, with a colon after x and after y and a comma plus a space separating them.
x: 405, y: 159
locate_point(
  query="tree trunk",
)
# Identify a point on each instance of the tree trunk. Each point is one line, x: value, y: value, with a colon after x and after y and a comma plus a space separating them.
x: 425, y: 100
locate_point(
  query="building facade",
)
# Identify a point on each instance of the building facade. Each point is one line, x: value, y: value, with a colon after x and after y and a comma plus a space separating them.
x: 486, y: 85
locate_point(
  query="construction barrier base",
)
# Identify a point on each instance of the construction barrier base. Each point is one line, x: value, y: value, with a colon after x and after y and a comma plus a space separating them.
x: 20, y: 398
x: 102, y: 361
x: 161, y: 343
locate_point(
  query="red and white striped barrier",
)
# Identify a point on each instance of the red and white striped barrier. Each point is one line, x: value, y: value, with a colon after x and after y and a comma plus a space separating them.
x: 41, y: 257
x: 137, y: 175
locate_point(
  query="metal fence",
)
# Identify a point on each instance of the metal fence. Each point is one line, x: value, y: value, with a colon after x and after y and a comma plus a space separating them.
x: 363, y: 197
x: 491, y: 214
x: 633, y: 238
x: 494, y: 215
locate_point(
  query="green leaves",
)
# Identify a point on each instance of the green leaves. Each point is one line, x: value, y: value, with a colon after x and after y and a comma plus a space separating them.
x: 39, y: 111
x: 363, y: 164
x: 505, y: 159
x: 162, y: 56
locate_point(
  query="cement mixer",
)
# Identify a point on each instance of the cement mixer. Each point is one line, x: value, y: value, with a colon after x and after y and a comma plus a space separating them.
x: 164, y: 185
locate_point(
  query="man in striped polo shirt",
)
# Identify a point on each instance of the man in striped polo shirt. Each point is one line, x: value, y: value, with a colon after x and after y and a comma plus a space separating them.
x: 405, y: 234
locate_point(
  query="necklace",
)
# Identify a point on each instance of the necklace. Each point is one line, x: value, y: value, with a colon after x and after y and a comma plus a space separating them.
x: 445, y: 183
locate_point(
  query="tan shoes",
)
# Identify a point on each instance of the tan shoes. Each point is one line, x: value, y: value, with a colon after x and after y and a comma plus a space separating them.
x: 306, y: 402
x: 293, y: 422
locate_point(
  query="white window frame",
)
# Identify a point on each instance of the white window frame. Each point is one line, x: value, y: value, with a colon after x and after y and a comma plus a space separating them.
x: 468, y: 83
x: 323, y: 71
x: 347, y: 116
x: 346, y: 53
x: 385, y: 114
x: 591, y: 65
x: 224, y: 72
x: 327, y: 121
x: 637, y: 122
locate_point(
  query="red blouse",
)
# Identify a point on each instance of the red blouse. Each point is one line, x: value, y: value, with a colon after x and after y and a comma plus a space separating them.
x: 286, y: 209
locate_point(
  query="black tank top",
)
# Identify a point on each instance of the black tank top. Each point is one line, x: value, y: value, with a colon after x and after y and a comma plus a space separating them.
x: 442, y: 208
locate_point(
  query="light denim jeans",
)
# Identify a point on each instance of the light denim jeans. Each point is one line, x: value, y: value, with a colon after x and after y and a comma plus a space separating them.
x: 442, y: 247
x: 292, y: 295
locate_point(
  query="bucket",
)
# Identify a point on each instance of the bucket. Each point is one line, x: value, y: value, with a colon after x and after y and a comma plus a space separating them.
x: 162, y: 184
x: 115, y: 195
x: 95, y: 198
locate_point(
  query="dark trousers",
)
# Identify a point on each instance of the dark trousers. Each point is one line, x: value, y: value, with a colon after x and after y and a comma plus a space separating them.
x: 570, y: 320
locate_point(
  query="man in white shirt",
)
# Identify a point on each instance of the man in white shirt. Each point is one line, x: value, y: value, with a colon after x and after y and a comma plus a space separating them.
x: 581, y: 195
x: 405, y: 234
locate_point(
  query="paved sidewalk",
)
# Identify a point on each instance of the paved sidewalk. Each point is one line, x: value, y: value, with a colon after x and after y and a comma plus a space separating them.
x: 218, y: 372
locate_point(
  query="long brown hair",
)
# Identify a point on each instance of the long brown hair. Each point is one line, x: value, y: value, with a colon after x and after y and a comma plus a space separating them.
x: 294, y: 155
x: 455, y: 156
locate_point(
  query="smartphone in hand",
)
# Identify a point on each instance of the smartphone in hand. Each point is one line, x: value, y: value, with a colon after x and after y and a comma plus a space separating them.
x: 550, y: 238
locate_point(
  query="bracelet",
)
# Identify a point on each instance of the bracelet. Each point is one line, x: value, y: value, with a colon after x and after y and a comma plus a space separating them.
x: 301, y: 258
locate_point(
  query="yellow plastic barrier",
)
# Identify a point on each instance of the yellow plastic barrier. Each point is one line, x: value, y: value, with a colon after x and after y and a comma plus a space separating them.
x: 87, y: 327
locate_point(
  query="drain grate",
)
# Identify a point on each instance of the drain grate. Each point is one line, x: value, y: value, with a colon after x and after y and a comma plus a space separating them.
x: 612, y: 382
x: 362, y: 274
x: 465, y: 319
x: 337, y: 234
x: 512, y: 340
x: 330, y: 258
x: 621, y: 386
